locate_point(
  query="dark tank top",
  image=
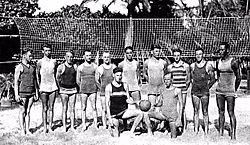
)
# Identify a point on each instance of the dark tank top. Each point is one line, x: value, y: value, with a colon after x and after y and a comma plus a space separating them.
x: 27, y: 80
x: 106, y: 78
x: 118, y: 99
x: 200, y: 81
x: 68, y: 78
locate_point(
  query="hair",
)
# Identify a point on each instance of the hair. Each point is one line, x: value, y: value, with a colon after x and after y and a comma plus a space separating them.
x: 128, y: 47
x: 197, y: 49
x: 86, y: 50
x: 25, y: 50
x: 70, y: 51
x: 47, y: 45
x: 117, y: 69
x: 177, y: 50
x: 106, y: 51
x: 169, y: 73
x: 227, y: 46
x: 155, y: 46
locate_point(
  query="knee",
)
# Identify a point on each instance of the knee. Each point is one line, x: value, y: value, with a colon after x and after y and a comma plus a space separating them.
x: 231, y: 113
x: 23, y: 111
x: 45, y: 108
x: 221, y: 112
x: 205, y: 113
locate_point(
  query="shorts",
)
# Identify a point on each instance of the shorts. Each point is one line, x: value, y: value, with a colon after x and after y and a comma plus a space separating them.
x: 200, y: 91
x: 154, y: 89
x: 67, y: 91
x: 119, y: 115
x: 26, y: 95
x: 171, y: 116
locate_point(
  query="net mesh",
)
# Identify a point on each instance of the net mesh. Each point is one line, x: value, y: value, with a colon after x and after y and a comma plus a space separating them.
x: 109, y: 34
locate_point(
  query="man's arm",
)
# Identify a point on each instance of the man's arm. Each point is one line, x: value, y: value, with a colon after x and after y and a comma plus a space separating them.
x: 211, y: 74
x: 38, y: 75
x: 165, y: 69
x: 188, y: 75
x: 120, y: 65
x: 17, y: 74
x: 97, y: 77
x: 108, y: 91
x: 145, y: 70
x: 78, y: 75
x: 138, y: 71
x: 59, y: 72
x: 236, y: 68
x: 179, y: 95
x: 191, y: 72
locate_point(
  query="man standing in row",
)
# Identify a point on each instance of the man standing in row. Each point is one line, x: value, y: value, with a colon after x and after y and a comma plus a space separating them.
x: 26, y: 90
x: 66, y: 78
x: 46, y: 72
x: 85, y: 78
x: 154, y: 69
x: 104, y: 76
x: 131, y: 73
x: 181, y: 79
x: 202, y: 77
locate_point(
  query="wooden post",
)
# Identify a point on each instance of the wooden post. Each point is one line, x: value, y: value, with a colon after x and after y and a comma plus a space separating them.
x: 248, y: 76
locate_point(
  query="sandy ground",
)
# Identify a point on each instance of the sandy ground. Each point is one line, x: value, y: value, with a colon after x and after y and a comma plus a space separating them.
x: 10, y: 131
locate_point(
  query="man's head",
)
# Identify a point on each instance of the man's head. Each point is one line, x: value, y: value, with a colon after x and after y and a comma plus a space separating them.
x: 117, y: 72
x: 224, y: 48
x: 27, y: 54
x: 168, y: 79
x: 199, y: 54
x: 155, y: 50
x: 69, y: 57
x: 106, y: 57
x: 177, y: 55
x: 129, y: 52
x: 47, y: 50
x: 87, y: 55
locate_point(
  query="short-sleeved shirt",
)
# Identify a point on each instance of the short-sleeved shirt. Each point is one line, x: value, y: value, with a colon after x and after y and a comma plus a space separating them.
x: 47, y: 73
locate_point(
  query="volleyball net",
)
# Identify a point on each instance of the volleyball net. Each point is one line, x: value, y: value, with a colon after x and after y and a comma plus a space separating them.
x: 111, y: 34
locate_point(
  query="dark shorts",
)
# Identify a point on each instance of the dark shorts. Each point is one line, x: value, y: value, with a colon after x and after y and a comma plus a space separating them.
x: 26, y: 95
x: 200, y: 90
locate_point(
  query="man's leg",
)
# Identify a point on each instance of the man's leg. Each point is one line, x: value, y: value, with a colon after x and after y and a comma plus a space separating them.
x: 84, y: 98
x: 220, y: 99
x: 114, y: 129
x: 155, y: 115
x: 196, y: 106
x: 72, y: 102
x: 173, y: 129
x: 151, y: 98
x: 92, y: 99
x: 133, y: 113
x: 27, y: 117
x: 184, y: 117
x: 65, y: 99
x: 104, y: 118
x: 22, y: 114
x: 204, y: 103
x: 44, y: 97
x: 230, y: 109
x: 52, y: 98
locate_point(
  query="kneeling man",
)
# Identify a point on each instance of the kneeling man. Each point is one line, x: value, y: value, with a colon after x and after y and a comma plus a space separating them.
x: 117, y: 100
x: 168, y: 100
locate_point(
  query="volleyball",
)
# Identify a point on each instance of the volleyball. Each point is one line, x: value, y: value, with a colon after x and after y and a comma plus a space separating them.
x: 144, y: 105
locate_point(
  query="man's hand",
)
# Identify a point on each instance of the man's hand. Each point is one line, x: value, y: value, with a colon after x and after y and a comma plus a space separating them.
x: 17, y: 98
x: 178, y: 122
x: 36, y: 96
x: 130, y: 100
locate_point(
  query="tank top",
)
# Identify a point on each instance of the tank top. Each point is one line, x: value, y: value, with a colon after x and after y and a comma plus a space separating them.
x: 27, y: 80
x: 118, y: 99
x: 169, y: 107
x: 200, y: 80
x: 179, y: 76
x: 106, y: 78
x: 155, y: 72
x: 129, y: 75
x: 226, y: 80
x: 87, y: 76
x: 47, y: 72
x: 68, y: 77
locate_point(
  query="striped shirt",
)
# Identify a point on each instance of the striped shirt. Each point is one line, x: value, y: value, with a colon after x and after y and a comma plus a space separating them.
x: 179, y: 74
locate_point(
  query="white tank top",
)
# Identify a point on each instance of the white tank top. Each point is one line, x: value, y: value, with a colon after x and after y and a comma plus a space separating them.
x: 129, y: 75
x: 47, y: 72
